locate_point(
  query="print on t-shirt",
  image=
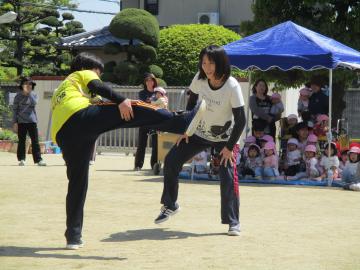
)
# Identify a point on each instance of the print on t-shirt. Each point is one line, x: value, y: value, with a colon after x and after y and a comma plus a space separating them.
x: 217, y: 122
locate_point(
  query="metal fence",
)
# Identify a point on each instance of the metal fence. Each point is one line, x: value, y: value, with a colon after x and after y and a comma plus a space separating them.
x: 352, y: 112
x: 126, y: 140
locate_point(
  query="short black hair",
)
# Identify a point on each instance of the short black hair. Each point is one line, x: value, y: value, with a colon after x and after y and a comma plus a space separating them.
x: 219, y: 57
x: 332, y: 146
x: 86, y: 61
x: 256, y: 83
x: 23, y: 80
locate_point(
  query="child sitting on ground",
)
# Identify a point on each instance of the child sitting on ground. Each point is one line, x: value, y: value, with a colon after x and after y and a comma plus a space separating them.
x: 160, y: 99
x: 312, y: 163
x: 270, y: 162
x: 350, y: 174
x: 329, y: 165
x: 343, y: 159
x: 253, y: 163
x: 200, y: 162
x: 293, y: 158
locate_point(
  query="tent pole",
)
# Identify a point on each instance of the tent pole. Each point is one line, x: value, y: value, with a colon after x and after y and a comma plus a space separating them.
x: 248, y: 107
x: 329, y: 138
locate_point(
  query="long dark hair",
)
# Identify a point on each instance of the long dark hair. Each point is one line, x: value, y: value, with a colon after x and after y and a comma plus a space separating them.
x: 256, y: 83
x: 86, y: 61
x: 219, y: 57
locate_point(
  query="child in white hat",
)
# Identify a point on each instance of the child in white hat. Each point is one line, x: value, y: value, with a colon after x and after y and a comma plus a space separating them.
x: 160, y: 99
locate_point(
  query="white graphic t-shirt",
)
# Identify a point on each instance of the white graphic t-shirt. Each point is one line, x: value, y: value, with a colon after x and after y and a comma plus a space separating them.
x: 217, y: 123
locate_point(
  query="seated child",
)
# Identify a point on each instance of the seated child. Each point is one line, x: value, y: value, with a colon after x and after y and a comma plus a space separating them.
x: 270, y: 162
x: 160, y: 99
x: 293, y: 158
x: 303, y: 104
x: 200, y: 162
x: 253, y: 163
x: 301, y: 133
x: 329, y: 165
x: 312, y: 166
x: 322, y: 125
x: 350, y: 174
x: 248, y: 140
x: 343, y: 159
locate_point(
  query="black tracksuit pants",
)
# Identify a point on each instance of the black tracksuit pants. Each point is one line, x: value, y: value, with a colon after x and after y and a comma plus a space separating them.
x: 140, y: 151
x: 76, y: 139
x: 229, y: 188
x: 23, y: 129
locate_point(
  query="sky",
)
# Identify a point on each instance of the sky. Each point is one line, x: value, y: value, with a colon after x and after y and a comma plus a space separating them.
x: 93, y: 21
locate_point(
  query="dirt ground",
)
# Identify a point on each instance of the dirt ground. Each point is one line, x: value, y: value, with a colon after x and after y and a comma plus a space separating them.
x: 283, y: 227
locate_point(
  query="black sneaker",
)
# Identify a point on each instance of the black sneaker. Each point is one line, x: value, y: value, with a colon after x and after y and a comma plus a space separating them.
x: 75, y: 245
x: 166, y: 212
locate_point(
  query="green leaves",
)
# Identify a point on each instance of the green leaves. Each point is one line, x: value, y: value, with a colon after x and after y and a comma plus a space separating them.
x: 180, y: 46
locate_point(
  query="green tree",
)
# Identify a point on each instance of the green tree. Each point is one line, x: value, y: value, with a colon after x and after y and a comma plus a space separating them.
x: 19, y: 34
x: 336, y: 19
x: 140, y: 26
x: 180, y: 46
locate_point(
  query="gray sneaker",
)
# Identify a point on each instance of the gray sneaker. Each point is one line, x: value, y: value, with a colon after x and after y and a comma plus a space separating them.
x: 201, y: 108
x: 234, y: 230
x: 355, y: 187
x: 41, y: 163
x: 22, y: 163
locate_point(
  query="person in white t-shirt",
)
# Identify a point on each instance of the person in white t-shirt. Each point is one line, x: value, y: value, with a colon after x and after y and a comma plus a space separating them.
x: 220, y: 126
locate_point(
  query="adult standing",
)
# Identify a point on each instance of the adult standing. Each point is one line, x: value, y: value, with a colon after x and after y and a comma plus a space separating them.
x: 220, y: 126
x: 260, y: 105
x: 77, y: 123
x: 318, y: 102
x: 25, y: 121
x: 146, y: 95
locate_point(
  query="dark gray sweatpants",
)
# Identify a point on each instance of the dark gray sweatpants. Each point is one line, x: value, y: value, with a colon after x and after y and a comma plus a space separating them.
x: 229, y: 187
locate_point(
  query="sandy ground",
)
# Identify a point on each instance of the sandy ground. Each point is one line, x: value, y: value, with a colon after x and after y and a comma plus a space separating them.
x: 283, y: 227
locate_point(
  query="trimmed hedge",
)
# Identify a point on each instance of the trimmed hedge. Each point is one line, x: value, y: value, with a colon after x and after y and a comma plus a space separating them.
x: 132, y: 23
x: 180, y: 46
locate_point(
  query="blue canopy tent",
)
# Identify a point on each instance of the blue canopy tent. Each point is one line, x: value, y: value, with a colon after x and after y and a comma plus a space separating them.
x: 290, y: 46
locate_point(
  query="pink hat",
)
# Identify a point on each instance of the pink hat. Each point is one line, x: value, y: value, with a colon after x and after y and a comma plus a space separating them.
x: 305, y: 91
x: 312, y: 138
x: 292, y: 116
x: 322, y: 117
x: 269, y: 146
x: 267, y: 138
x: 310, y: 148
x: 276, y: 96
x: 293, y: 141
x: 250, y: 139
x: 355, y: 150
x: 160, y: 89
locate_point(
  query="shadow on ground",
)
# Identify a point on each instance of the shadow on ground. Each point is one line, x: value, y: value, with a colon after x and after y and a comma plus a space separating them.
x: 153, y: 234
x: 43, y: 252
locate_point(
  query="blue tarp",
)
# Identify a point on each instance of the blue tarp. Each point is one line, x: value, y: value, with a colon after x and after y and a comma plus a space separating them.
x: 290, y: 46
x: 302, y: 182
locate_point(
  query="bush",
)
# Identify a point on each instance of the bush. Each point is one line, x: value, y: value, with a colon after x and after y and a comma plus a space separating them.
x: 6, y: 134
x: 132, y: 23
x: 143, y: 53
x: 180, y: 46
x: 127, y: 73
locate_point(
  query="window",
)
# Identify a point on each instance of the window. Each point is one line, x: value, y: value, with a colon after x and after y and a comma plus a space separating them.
x: 152, y: 6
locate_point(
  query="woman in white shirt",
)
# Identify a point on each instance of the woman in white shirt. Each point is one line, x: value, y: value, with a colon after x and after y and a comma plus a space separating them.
x: 220, y: 126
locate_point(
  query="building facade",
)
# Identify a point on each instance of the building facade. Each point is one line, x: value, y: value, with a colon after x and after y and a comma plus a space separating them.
x: 229, y: 13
